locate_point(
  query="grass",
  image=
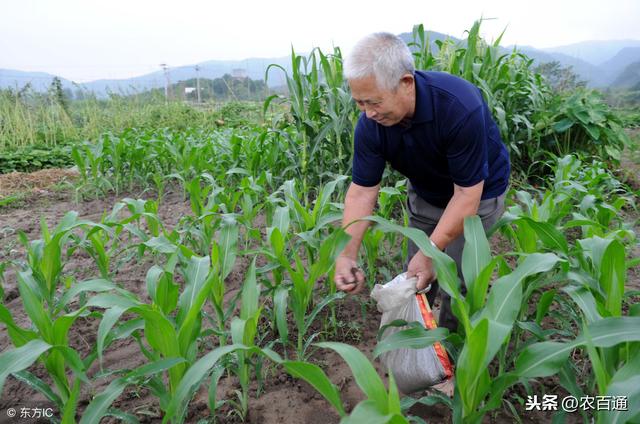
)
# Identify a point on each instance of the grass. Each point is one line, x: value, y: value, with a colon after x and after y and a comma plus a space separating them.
x: 30, y: 118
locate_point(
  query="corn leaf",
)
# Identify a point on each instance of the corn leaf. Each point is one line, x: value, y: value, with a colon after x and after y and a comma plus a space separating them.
x: 585, y: 301
x: 18, y: 359
x: 476, y: 254
x: 411, y: 338
x: 545, y: 358
x: 364, y: 373
x: 228, y: 247
x: 550, y: 236
x: 102, y: 401
x: 314, y: 375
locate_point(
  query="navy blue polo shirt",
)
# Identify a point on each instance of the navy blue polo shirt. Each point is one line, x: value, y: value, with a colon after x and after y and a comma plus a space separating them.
x: 451, y: 138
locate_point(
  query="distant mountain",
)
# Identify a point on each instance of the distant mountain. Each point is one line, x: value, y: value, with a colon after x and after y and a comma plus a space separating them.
x: 595, y: 52
x: 596, y: 76
x: 253, y: 68
x: 629, y: 78
x: 622, y: 60
x: 600, y: 63
x: 40, y: 81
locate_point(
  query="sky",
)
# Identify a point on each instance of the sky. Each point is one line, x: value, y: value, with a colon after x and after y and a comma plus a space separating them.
x: 85, y: 40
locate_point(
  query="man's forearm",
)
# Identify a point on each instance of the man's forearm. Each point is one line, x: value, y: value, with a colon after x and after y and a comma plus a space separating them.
x: 357, y: 205
x: 465, y: 202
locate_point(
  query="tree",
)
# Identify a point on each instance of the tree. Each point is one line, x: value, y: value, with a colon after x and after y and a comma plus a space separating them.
x: 57, y: 93
x: 559, y: 78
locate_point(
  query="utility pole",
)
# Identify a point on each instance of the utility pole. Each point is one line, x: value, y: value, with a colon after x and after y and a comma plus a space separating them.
x: 165, y: 68
x: 198, y: 82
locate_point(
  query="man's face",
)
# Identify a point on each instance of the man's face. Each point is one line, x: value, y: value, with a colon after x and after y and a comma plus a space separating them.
x: 386, y: 107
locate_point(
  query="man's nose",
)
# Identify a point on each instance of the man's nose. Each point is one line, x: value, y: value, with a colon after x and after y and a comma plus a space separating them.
x: 370, y: 112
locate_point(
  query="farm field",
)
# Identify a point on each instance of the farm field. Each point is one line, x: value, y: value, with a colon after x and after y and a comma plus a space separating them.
x: 185, y: 274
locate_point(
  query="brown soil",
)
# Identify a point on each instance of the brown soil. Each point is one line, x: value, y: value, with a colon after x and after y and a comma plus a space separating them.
x: 282, y: 399
x: 34, y: 182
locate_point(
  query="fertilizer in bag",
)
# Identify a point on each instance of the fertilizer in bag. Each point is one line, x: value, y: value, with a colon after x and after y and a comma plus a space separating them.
x: 413, y: 369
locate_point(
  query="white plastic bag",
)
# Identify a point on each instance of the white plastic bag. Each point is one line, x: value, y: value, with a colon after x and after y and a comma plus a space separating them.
x: 413, y: 369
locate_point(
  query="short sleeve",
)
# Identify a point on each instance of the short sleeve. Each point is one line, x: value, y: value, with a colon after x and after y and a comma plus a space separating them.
x: 368, y: 162
x: 467, y: 149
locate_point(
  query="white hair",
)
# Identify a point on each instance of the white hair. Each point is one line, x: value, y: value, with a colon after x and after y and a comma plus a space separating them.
x: 381, y: 55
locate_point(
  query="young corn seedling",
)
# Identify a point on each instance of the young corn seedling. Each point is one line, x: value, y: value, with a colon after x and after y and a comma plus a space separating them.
x: 306, y: 223
x: 250, y: 206
x: 277, y: 238
x: 90, y: 162
x: 45, y: 260
x: 243, y: 332
x: 380, y: 406
x: 101, y: 242
x: 140, y: 209
x: 47, y: 305
x: 172, y: 324
x: 304, y: 278
x: 47, y: 342
x: 223, y: 258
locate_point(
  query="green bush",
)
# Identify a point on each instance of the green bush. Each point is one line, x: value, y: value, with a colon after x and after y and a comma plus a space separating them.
x: 581, y: 121
x: 35, y: 157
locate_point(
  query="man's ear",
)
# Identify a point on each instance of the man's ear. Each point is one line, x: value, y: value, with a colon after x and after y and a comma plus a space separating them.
x: 407, y: 81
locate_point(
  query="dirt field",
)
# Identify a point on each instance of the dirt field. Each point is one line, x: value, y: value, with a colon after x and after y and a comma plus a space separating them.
x: 283, y: 400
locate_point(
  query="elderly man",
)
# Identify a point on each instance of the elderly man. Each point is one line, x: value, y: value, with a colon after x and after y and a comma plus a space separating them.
x: 435, y: 129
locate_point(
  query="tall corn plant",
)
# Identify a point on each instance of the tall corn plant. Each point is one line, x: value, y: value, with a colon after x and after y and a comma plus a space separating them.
x: 513, y: 91
x: 322, y: 112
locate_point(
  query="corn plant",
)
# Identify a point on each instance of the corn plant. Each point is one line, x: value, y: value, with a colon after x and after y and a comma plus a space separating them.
x: 303, y: 281
x: 88, y: 158
x: 45, y: 261
x: 102, y: 242
x: 168, y: 337
x: 513, y: 91
x: 223, y: 257
x: 323, y: 115
x: 46, y: 341
x: 381, y: 405
x: 243, y: 331
x: 486, y: 316
x: 139, y: 210
x: 546, y: 358
x: 577, y: 193
x: 55, y: 357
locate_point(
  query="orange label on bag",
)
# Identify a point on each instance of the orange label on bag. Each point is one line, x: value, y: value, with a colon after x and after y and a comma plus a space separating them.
x: 430, y: 323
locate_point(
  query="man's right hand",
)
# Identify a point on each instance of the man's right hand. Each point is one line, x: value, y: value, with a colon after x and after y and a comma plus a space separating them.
x: 348, y: 277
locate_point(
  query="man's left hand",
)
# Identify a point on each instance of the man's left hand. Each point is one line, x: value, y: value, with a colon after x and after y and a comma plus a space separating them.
x: 421, y: 267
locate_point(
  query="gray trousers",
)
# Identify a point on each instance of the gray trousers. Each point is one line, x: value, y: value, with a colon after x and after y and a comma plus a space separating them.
x: 424, y: 216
